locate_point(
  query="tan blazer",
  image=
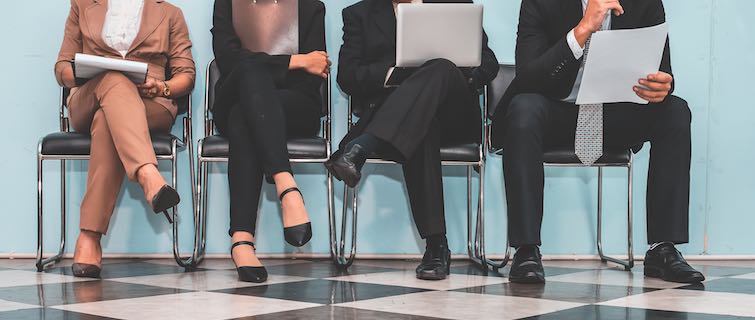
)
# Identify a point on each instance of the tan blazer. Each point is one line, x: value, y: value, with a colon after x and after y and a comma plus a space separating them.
x: 162, y: 42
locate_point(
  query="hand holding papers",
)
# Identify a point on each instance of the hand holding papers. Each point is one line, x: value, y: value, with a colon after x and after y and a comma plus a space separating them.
x: 617, y: 59
x: 89, y: 66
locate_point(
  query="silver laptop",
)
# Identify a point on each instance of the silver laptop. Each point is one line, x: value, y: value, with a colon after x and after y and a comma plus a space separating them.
x: 430, y: 31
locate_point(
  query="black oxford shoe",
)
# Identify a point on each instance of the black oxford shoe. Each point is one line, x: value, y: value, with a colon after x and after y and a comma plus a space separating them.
x: 436, y: 263
x: 667, y: 263
x: 348, y: 166
x: 527, y: 266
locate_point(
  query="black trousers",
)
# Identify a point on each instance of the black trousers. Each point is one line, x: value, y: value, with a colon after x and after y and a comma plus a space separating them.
x: 258, y: 127
x: 534, y: 122
x: 431, y: 108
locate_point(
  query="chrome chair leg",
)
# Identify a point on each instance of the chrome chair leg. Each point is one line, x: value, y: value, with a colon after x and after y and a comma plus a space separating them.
x: 628, y: 264
x: 202, y: 200
x: 42, y: 262
x: 489, y: 264
x: 338, y: 250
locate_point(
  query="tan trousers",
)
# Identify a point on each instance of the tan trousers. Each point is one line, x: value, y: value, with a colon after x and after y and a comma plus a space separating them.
x: 120, y: 121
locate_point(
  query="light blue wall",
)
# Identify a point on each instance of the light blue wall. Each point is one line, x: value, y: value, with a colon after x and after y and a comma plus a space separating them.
x: 711, y: 41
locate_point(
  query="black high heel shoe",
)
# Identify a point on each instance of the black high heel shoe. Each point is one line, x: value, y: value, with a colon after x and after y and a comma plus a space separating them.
x: 297, y: 235
x: 83, y: 270
x: 249, y: 274
x: 165, y: 199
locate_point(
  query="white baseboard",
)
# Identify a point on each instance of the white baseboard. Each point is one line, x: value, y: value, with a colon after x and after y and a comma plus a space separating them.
x: 376, y: 256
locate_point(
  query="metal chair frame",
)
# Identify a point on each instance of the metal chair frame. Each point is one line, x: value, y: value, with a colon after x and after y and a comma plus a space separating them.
x: 475, y: 249
x: 42, y: 262
x: 628, y: 264
x: 202, y: 186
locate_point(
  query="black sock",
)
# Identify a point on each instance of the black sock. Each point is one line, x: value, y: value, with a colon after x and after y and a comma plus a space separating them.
x: 436, y: 240
x: 368, y: 142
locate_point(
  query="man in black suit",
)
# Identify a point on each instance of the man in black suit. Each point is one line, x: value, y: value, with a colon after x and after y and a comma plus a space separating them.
x: 539, y: 111
x: 437, y: 104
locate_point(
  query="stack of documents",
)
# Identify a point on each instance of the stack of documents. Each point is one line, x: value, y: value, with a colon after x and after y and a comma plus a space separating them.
x: 88, y: 66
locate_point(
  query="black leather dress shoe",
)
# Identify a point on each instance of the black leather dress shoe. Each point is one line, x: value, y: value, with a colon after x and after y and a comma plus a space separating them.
x: 667, y: 263
x: 348, y: 166
x: 527, y: 266
x: 436, y: 263
x: 83, y: 270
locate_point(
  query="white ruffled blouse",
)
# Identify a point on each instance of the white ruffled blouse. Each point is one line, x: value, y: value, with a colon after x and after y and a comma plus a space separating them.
x: 122, y: 23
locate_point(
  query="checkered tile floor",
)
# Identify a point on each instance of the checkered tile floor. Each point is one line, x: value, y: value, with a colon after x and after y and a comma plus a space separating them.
x: 300, y: 289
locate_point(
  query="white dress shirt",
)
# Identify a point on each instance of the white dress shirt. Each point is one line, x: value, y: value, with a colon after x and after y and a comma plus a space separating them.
x: 122, y: 23
x: 579, y: 51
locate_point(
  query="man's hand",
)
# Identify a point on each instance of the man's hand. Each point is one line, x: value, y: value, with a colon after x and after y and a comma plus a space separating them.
x: 150, y: 88
x: 594, y: 16
x: 655, y: 88
x: 315, y: 62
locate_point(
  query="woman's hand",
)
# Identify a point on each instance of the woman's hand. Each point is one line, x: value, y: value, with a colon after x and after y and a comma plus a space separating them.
x: 151, y: 88
x: 68, y: 78
x: 315, y: 62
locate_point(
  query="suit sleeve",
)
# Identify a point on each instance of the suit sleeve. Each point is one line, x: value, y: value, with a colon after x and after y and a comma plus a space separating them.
x: 71, y: 43
x: 227, y: 45
x: 541, y: 66
x: 355, y: 76
x: 181, y: 60
x: 488, y: 70
x: 314, y: 40
x: 659, y: 16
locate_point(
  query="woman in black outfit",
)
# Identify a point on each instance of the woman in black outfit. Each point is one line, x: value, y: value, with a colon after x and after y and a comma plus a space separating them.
x: 262, y: 100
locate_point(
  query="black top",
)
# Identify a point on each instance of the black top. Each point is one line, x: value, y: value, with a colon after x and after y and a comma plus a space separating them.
x: 229, y: 51
x: 545, y: 63
x: 369, y: 51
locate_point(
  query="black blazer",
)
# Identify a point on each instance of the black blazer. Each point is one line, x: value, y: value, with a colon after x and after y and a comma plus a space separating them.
x: 229, y: 51
x: 369, y: 51
x: 544, y: 62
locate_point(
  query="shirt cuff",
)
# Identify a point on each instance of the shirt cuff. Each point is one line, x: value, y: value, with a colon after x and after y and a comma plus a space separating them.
x: 576, y: 49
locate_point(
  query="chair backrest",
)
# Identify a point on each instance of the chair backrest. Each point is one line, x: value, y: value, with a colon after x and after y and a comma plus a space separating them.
x: 497, y: 88
x: 213, y: 76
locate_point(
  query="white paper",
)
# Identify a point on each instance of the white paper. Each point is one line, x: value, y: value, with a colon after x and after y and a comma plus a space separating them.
x: 617, y: 60
x: 89, y: 66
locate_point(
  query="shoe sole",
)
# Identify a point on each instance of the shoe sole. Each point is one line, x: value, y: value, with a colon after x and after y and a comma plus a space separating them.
x: 531, y: 278
x: 658, y: 273
x: 337, y: 172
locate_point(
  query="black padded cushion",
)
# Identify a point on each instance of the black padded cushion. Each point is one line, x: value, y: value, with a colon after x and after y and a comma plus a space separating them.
x: 468, y: 152
x: 566, y: 155
x: 77, y: 144
x: 302, y: 148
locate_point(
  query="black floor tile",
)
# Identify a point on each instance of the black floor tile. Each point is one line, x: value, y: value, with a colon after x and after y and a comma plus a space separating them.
x: 80, y: 292
x: 47, y: 314
x: 323, y: 269
x: 472, y: 269
x: 560, y: 291
x: 335, y: 313
x: 730, y: 285
x: 123, y: 270
x: 716, y: 271
x: 595, y: 312
x: 323, y: 291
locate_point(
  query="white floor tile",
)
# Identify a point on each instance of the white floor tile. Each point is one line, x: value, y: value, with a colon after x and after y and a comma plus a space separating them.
x: 615, y: 277
x: 193, y: 305
x: 10, y: 306
x: 15, y: 278
x: 750, y: 276
x: 409, y: 279
x: 458, y: 305
x: 694, y: 301
x: 204, y: 280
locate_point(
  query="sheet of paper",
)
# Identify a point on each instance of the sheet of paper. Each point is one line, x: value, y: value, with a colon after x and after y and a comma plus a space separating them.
x: 617, y: 60
x: 89, y: 66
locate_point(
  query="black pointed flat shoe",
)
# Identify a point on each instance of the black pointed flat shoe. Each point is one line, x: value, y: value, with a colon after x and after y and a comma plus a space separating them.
x: 165, y: 199
x: 347, y: 167
x: 297, y: 235
x: 83, y: 270
x: 249, y: 274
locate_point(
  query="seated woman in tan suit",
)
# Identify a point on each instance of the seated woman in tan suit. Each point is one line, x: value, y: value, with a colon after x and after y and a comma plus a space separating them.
x: 272, y: 62
x: 118, y: 113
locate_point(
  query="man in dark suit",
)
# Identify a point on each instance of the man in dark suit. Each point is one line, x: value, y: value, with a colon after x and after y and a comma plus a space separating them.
x: 539, y: 111
x: 437, y: 104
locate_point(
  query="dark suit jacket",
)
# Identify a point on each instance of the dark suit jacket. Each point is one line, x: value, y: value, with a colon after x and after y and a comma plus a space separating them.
x: 544, y: 62
x: 369, y: 51
x: 229, y: 51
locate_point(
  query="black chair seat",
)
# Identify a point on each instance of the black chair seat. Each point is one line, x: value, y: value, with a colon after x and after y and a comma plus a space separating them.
x: 302, y: 148
x: 77, y: 144
x: 566, y: 155
x: 468, y: 152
